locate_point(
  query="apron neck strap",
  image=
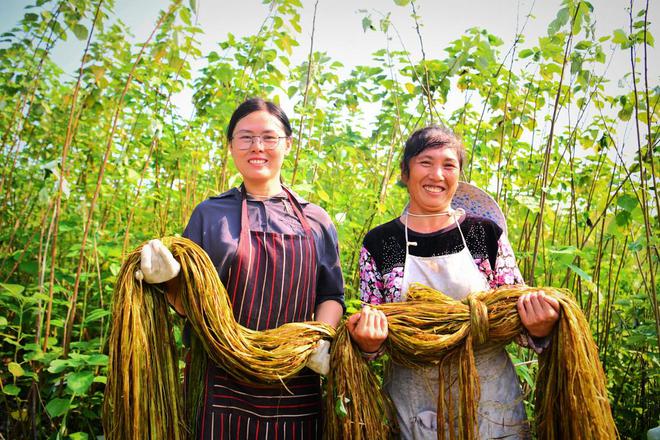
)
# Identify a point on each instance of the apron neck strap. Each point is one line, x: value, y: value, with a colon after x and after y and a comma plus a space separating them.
x: 297, y: 209
x: 455, y: 215
x: 245, y: 220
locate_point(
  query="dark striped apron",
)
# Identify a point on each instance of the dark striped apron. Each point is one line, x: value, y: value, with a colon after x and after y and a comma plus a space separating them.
x: 272, y: 281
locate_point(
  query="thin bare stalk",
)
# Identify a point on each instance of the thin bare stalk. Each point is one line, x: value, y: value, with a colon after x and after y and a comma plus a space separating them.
x: 58, y: 197
x: 548, y: 150
x: 90, y: 214
x: 651, y: 141
x: 426, y: 86
x: 306, y: 95
x: 652, y: 292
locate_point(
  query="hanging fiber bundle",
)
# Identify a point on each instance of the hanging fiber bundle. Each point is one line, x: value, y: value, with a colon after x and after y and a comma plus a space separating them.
x: 431, y: 328
x: 143, y: 397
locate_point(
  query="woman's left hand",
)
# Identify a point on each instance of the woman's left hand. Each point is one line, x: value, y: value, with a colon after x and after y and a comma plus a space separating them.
x: 538, y: 312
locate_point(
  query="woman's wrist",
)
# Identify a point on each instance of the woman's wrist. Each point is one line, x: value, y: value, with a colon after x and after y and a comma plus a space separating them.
x: 373, y: 355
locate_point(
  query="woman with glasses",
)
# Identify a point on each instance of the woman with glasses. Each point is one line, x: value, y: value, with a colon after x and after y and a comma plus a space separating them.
x: 277, y: 255
x: 455, y: 251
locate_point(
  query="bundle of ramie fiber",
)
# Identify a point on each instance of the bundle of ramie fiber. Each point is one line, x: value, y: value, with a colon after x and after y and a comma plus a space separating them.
x: 144, y: 397
x: 431, y: 328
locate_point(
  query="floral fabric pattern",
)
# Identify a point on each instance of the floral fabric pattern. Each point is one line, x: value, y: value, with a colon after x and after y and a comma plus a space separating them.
x: 378, y: 288
x: 506, y: 272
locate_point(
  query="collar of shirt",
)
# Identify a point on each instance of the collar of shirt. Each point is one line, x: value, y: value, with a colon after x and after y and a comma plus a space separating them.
x: 235, y: 193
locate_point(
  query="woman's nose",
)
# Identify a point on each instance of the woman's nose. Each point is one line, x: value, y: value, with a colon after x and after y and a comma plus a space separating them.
x: 257, y: 144
x: 437, y: 173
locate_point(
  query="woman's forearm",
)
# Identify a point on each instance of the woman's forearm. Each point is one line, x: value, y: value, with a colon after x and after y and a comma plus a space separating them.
x: 330, y: 312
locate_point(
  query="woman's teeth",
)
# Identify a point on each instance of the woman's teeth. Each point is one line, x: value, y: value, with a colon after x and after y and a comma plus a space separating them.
x: 257, y: 161
x: 435, y: 189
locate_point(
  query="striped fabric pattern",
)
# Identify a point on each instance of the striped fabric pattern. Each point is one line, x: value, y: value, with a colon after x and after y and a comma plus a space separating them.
x: 272, y: 281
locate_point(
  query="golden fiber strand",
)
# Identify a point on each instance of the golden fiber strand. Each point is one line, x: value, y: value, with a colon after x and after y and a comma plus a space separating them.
x: 144, y: 400
x: 434, y: 329
x: 143, y: 397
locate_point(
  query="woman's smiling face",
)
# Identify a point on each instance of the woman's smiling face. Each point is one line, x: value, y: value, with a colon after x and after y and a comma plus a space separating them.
x: 432, y: 179
x: 258, y: 165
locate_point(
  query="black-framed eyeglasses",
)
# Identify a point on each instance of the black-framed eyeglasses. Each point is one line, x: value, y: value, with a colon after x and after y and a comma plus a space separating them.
x: 245, y: 141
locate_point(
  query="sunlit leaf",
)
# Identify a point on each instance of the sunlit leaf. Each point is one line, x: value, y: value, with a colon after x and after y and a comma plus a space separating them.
x: 57, y: 407
x: 80, y: 382
x: 80, y: 31
x: 15, y: 369
x: 11, y: 390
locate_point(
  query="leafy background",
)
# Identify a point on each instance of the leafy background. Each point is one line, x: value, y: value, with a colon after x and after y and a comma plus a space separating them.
x: 97, y: 159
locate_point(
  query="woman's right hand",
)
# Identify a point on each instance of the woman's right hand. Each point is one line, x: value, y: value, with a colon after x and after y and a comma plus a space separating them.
x: 157, y: 264
x: 368, y: 328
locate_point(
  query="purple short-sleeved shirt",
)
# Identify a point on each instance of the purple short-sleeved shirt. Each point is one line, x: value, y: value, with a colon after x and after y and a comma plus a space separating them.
x: 215, y: 225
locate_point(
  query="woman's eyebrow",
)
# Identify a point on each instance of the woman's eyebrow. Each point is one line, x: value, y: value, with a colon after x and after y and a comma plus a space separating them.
x: 250, y: 131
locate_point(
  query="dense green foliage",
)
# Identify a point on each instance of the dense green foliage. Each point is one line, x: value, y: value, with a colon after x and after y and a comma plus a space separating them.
x: 95, y: 161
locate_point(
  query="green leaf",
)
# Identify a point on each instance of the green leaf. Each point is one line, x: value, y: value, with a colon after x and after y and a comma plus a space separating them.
x: 79, y: 436
x: 583, y: 45
x: 635, y: 246
x: 620, y: 37
x: 57, y: 407
x: 33, y: 355
x: 622, y: 218
x: 80, y: 31
x: 582, y: 274
x: 58, y: 365
x: 402, y: 2
x: 15, y: 369
x: 96, y: 314
x: 98, y: 359
x: 3, y: 322
x: 627, y: 202
x: 193, y: 5
x: 564, y: 255
x: 80, y: 382
x: 367, y: 24
x: 559, y: 21
x: 11, y: 390
x: 14, y: 290
x: 526, y: 53
x: 340, y: 408
x: 323, y: 195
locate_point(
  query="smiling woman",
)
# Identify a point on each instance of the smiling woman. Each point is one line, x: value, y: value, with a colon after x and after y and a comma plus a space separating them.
x: 432, y: 163
x: 260, y: 138
x: 277, y: 255
x: 456, y: 253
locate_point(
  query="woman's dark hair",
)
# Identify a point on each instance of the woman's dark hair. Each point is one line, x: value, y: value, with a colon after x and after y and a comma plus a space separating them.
x: 433, y: 136
x: 255, y: 105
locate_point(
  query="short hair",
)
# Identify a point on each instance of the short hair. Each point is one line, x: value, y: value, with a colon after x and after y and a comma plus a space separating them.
x: 433, y: 136
x: 255, y: 105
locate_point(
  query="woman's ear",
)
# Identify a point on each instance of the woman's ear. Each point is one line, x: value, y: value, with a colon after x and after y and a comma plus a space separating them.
x: 404, y: 178
x: 287, y: 146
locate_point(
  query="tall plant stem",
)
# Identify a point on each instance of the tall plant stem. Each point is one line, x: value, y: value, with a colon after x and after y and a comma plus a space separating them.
x: 305, y: 96
x: 652, y: 291
x: 58, y: 196
x: 650, y: 140
x: 26, y: 104
x: 90, y: 214
x: 548, y: 150
x: 427, y: 85
x: 154, y: 143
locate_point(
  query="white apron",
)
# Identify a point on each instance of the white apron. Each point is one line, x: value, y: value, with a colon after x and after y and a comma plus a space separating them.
x: 500, y: 413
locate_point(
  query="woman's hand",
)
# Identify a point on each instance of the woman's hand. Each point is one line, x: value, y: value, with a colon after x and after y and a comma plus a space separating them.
x: 368, y: 328
x: 539, y: 313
